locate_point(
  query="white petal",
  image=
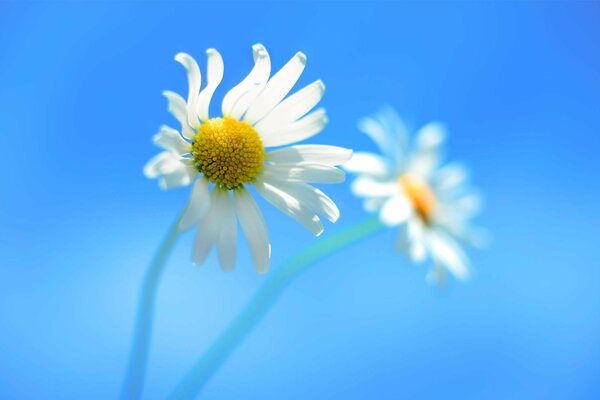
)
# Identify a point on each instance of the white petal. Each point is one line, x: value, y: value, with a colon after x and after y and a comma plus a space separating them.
x: 161, y: 163
x: 290, y: 206
x: 375, y: 131
x: 395, y: 130
x: 306, y: 172
x: 322, y: 154
x: 308, y: 196
x: 395, y: 211
x: 297, y: 131
x: 170, y: 139
x: 292, y: 108
x: 365, y: 186
x: 226, y: 240
x: 214, y: 75
x: 417, y: 251
x: 388, y: 132
x: 178, y: 108
x: 254, y: 228
x: 276, y: 89
x: 464, y: 231
x: 373, y: 204
x: 194, y: 79
x: 208, y: 230
x: 450, y: 177
x: 198, y: 205
x: 436, y: 275
x: 183, y: 175
x: 431, y: 135
x: 460, y: 209
x: 410, y: 240
x: 368, y: 163
x: 428, y: 152
x: 469, y: 205
x: 237, y: 100
x: 448, y: 253
x: 172, y: 170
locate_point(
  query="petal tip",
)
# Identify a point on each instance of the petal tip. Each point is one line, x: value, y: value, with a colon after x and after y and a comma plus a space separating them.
x: 321, y: 85
x: 258, y: 47
x: 181, y: 56
x: 301, y: 56
x: 262, y: 270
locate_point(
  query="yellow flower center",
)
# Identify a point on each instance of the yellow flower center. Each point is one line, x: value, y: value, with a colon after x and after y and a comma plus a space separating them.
x: 420, y: 195
x: 228, y: 152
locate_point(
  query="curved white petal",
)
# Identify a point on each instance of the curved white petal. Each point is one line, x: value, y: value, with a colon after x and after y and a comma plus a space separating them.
x: 170, y: 139
x: 297, y: 131
x: 214, y: 75
x: 395, y: 211
x: 365, y: 186
x: 292, y: 108
x: 238, y: 99
x: 368, y: 163
x: 448, y: 253
x: 276, y: 89
x: 183, y: 175
x: 306, y: 172
x: 194, y: 80
x: 322, y: 154
x: 177, y: 107
x: 198, y: 205
x: 290, y: 206
x: 307, y: 195
x: 171, y: 170
x: 227, y: 237
x: 164, y: 162
x: 208, y: 230
x: 255, y: 229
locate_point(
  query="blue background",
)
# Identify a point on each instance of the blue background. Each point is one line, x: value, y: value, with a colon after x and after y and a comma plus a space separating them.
x: 80, y: 97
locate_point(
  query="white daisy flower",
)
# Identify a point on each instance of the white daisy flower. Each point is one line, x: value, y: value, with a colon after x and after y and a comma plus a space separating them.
x: 408, y: 187
x: 222, y: 156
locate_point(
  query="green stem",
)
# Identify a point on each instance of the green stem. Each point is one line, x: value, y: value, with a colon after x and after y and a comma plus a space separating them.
x: 140, y: 345
x: 276, y: 283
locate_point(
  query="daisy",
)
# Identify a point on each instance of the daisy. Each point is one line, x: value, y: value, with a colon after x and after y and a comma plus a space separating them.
x: 221, y: 157
x: 408, y: 186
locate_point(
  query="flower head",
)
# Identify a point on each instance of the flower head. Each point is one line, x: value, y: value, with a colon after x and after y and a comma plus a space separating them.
x: 409, y: 187
x: 221, y: 157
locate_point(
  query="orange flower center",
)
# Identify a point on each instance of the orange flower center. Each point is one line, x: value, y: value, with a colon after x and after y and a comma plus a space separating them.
x: 419, y: 194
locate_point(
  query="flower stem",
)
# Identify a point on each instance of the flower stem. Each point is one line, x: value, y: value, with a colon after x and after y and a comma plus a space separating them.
x: 140, y: 345
x: 276, y: 283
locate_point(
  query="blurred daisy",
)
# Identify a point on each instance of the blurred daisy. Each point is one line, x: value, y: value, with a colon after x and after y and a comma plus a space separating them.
x: 222, y: 156
x: 407, y: 185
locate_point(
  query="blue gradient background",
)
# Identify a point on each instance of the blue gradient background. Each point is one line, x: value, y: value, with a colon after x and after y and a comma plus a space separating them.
x: 80, y: 97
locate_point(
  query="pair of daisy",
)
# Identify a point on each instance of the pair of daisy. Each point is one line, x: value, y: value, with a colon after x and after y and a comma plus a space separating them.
x: 221, y: 157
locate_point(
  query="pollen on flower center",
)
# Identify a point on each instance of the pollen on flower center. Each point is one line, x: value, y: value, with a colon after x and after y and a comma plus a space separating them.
x: 228, y: 152
x: 420, y: 195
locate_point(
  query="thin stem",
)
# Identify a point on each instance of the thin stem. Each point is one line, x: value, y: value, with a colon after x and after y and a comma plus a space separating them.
x: 277, y: 282
x: 142, y: 334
